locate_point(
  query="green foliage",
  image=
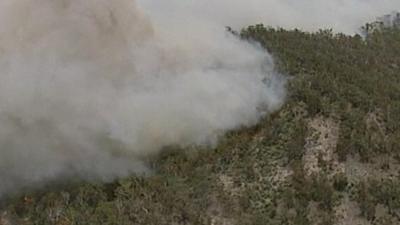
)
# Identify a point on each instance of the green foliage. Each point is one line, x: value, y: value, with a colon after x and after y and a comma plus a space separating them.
x: 356, y: 81
x: 340, y: 182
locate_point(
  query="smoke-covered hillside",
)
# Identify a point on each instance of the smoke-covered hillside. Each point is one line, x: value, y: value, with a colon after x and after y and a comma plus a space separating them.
x: 89, y: 89
x: 330, y: 155
x: 151, y: 112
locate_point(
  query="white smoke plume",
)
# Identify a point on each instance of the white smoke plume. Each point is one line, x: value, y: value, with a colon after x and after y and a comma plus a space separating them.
x: 90, y: 87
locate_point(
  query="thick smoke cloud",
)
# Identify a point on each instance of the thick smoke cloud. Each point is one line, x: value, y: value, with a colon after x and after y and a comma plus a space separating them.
x: 90, y: 87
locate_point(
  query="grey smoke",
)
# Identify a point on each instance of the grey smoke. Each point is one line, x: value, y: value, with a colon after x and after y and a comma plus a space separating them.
x: 345, y: 16
x: 90, y: 87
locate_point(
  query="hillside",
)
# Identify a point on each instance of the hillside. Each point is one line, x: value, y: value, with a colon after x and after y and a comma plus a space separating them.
x: 330, y: 155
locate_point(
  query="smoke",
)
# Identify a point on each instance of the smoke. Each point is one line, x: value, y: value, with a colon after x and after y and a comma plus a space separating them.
x: 89, y: 88
x: 345, y: 16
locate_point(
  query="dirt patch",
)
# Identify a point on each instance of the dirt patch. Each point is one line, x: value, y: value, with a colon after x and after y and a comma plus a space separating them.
x: 374, y: 120
x: 383, y: 167
x: 281, y: 176
x: 348, y: 213
x: 321, y: 146
x: 228, y: 185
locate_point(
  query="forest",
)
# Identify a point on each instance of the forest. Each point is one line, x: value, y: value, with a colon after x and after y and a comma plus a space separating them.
x: 330, y: 155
